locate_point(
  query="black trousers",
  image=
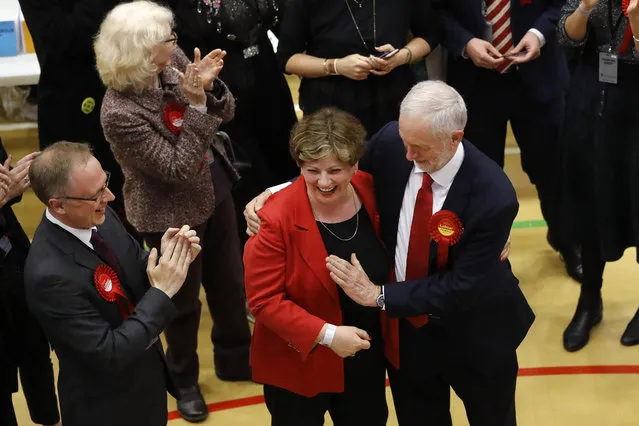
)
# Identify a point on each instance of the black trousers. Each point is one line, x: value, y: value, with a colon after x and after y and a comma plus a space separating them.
x: 24, y: 349
x: 7, y: 414
x: 497, y: 99
x: 421, y: 388
x: 363, y: 401
x: 219, y: 268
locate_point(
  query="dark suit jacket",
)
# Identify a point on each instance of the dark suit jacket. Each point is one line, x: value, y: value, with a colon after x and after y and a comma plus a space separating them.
x: 476, y: 302
x: 292, y: 295
x: 546, y: 77
x: 22, y: 342
x: 112, y: 372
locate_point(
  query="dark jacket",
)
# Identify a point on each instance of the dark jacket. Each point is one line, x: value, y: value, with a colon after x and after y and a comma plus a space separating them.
x: 112, y: 371
x: 23, y: 345
x: 476, y: 301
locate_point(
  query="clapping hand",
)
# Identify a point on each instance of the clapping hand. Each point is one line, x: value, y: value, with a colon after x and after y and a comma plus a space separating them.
x: 210, y: 66
x: 5, y: 182
x: 18, y: 177
x: 633, y: 15
x: 589, y: 4
x: 168, y: 274
x: 192, y: 85
x: 189, y: 234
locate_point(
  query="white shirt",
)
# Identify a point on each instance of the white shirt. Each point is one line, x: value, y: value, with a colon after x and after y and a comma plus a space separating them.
x: 83, y: 235
x: 442, y: 181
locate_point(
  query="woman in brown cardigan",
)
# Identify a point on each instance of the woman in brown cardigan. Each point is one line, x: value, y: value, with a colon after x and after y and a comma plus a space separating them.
x: 160, y: 114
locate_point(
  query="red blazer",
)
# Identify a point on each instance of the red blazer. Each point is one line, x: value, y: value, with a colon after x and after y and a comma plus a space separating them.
x: 292, y: 295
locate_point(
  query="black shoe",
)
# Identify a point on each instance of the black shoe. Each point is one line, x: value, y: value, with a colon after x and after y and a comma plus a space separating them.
x: 571, y: 256
x: 588, y: 314
x: 630, y: 337
x: 191, y: 405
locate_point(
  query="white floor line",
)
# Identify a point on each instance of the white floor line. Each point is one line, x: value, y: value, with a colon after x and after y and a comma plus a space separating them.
x: 9, y: 127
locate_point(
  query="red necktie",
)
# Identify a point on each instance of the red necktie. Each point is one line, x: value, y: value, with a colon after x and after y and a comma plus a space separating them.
x: 419, y: 242
x: 498, y: 15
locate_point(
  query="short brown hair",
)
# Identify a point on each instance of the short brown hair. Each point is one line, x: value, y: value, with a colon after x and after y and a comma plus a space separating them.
x: 49, y: 172
x: 328, y: 131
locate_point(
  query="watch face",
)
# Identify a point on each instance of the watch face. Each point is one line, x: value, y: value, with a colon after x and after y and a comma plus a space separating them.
x: 380, y: 301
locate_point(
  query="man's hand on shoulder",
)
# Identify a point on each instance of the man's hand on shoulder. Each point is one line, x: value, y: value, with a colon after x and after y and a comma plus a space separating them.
x: 250, y: 212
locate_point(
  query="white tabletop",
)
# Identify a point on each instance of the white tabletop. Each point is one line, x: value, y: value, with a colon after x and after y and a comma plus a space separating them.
x: 21, y: 70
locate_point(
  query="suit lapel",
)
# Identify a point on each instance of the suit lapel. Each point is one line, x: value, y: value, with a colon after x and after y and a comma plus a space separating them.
x: 308, y: 239
x: 80, y: 252
x: 111, y: 238
x: 71, y: 245
x: 365, y: 194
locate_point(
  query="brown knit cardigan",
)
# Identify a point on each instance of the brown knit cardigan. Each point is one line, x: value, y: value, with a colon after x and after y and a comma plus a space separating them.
x: 167, y: 183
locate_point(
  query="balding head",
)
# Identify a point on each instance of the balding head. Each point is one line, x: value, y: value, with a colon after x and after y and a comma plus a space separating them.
x: 49, y: 173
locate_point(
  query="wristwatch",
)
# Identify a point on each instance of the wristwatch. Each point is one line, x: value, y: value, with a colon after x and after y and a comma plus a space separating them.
x: 381, y: 302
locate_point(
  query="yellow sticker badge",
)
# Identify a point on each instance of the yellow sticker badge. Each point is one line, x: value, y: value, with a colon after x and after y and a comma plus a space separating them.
x: 88, y: 105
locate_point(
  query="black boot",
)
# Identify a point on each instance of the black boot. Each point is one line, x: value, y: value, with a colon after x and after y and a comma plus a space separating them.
x: 588, y: 314
x: 571, y: 256
x: 630, y: 337
x: 191, y: 405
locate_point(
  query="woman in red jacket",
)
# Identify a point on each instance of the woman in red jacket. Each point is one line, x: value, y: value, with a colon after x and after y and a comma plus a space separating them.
x: 313, y: 349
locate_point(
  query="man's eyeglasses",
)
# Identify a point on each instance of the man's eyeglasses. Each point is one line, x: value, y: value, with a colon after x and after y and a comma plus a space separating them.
x: 98, y: 196
x: 173, y: 40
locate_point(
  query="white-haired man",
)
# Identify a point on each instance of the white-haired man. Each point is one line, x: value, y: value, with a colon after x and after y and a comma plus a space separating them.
x: 446, y: 214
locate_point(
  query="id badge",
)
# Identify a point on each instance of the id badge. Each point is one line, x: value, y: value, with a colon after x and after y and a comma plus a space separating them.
x: 608, y: 66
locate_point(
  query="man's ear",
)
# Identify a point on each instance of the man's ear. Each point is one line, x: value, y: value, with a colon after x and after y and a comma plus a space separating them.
x: 56, y: 206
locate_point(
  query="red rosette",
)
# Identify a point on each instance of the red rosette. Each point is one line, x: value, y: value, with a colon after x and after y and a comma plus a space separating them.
x: 108, y: 285
x: 173, y: 117
x: 445, y: 228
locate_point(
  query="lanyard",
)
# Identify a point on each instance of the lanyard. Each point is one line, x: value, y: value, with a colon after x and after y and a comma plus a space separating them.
x: 613, y: 28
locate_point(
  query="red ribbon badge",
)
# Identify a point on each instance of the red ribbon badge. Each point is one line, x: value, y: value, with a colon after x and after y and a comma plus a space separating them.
x: 628, y: 35
x: 108, y: 286
x: 173, y: 117
x: 445, y: 229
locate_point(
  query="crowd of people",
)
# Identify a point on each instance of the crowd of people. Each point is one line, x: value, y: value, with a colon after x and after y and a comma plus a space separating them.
x: 165, y: 128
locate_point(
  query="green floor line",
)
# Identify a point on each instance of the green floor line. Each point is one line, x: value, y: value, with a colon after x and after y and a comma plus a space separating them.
x: 529, y: 224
